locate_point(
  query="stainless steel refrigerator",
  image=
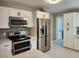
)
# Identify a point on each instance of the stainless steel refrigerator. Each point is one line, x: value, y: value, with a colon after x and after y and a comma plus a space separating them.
x: 43, y: 34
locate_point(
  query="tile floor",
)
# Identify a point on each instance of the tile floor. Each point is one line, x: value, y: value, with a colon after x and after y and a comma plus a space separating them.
x: 59, y: 52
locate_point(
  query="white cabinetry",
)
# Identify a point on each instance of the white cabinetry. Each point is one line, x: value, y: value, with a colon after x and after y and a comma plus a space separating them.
x: 34, y: 43
x: 4, y: 17
x: 68, y: 32
x: 5, y: 44
x: 22, y: 13
x: 76, y: 44
x: 71, y: 22
x: 15, y: 12
x: 47, y: 16
x: 43, y: 15
x: 39, y: 14
x: 77, y: 22
x: 30, y: 18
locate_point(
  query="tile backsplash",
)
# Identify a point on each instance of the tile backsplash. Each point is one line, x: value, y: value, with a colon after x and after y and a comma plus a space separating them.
x: 4, y: 32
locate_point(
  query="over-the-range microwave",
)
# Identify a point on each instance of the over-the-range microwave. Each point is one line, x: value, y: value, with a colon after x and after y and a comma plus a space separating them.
x: 17, y: 21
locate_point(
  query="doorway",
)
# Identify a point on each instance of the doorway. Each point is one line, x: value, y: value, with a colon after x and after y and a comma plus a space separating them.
x: 59, y: 30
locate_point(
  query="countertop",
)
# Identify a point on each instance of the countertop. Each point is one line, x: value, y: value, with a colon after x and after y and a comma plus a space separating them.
x: 28, y: 54
x: 33, y: 38
x: 4, y: 41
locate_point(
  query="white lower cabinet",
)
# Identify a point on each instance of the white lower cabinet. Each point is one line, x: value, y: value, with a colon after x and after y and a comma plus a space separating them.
x: 33, y: 44
x: 76, y: 44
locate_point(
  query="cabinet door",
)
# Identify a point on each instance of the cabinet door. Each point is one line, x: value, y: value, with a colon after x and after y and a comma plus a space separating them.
x: 30, y: 19
x: 40, y: 14
x: 29, y: 16
x: 24, y: 13
x: 77, y: 19
x: 76, y: 44
x: 4, y: 17
x: 15, y: 12
x: 68, y: 37
x: 47, y: 16
x: 34, y: 43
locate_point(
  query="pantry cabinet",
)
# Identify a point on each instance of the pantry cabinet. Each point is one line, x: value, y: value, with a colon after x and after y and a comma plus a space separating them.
x: 4, y: 17
x: 68, y: 32
x: 71, y: 22
x: 39, y: 14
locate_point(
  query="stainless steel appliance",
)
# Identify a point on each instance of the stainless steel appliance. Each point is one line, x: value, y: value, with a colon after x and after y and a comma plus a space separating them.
x: 20, y: 42
x: 43, y: 34
x: 17, y: 21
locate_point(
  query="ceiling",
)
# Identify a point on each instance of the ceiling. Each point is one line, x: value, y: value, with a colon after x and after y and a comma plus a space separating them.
x: 52, y: 8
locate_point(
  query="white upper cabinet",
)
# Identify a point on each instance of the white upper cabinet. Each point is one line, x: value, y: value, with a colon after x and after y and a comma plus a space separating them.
x: 30, y: 18
x: 15, y: 12
x: 41, y: 14
x: 23, y: 13
x: 4, y: 17
x: 46, y: 16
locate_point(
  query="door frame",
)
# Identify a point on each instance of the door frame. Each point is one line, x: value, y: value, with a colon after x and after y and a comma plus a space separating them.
x: 57, y: 28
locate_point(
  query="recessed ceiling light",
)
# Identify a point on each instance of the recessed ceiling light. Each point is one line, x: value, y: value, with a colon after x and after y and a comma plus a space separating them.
x: 53, y: 1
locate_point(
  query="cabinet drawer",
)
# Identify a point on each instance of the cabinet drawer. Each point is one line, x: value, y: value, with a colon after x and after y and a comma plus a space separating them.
x: 22, y: 45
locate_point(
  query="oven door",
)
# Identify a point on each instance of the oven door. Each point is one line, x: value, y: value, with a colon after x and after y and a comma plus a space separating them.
x: 21, y: 46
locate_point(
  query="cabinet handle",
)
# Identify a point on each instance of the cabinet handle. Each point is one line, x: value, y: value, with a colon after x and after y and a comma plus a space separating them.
x: 6, y: 45
x: 18, y: 13
x: 67, y: 24
x: 43, y: 15
x: 67, y: 29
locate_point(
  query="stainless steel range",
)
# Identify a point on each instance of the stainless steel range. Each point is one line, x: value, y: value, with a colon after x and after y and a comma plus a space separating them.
x: 20, y: 42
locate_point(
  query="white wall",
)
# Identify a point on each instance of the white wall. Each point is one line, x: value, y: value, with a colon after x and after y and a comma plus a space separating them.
x: 52, y: 29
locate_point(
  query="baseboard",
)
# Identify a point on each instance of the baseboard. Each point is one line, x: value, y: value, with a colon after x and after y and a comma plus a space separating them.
x: 71, y: 49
